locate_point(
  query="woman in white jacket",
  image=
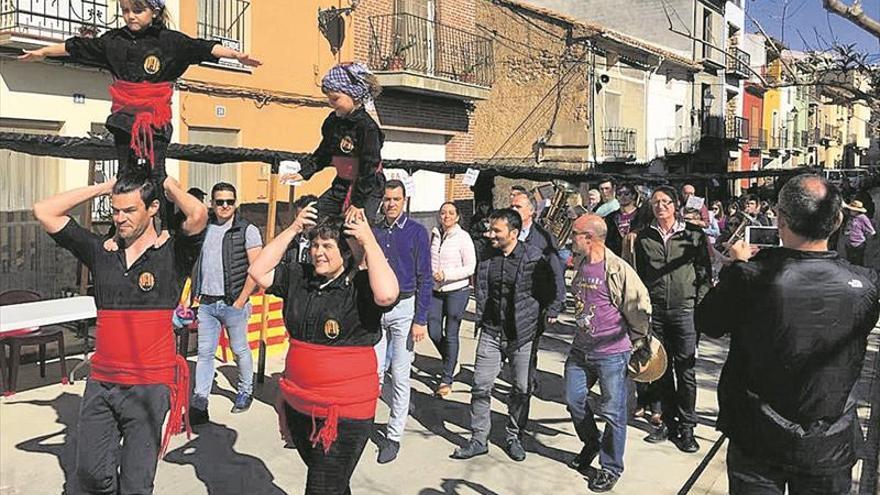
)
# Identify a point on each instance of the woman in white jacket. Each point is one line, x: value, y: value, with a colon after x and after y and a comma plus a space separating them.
x: 453, y: 262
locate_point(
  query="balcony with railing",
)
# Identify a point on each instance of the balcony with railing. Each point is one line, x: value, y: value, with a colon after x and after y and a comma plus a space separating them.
x: 682, y: 140
x: 779, y: 140
x: 619, y: 143
x: 33, y: 23
x: 737, y: 129
x: 738, y: 63
x: 830, y: 134
x: 421, y: 55
x: 758, y: 139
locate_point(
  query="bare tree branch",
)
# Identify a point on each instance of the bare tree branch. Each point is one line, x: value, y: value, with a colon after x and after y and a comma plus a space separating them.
x: 854, y: 14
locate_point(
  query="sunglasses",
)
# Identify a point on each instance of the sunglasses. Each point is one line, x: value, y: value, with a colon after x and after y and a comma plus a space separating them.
x: 224, y: 202
x: 624, y: 192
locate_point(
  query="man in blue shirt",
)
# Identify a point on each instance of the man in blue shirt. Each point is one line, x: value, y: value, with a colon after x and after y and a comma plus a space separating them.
x: 407, y: 246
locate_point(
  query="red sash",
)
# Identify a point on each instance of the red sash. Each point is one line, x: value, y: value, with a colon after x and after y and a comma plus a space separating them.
x: 136, y: 347
x: 329, y: 382
x: 347, y: 169
x: 150, y: 103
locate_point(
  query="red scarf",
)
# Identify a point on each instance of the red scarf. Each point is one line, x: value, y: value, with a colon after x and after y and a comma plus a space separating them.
x: 329, y: 382
x: 136, y: 347
x: 150, y: 103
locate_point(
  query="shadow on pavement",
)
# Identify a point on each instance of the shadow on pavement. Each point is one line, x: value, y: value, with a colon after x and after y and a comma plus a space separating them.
x: 220, y: 467
x: 61, y: 444
x: 452, y: 486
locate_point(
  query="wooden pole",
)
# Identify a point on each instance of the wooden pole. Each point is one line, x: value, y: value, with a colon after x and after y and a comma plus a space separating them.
x: 264, y: 310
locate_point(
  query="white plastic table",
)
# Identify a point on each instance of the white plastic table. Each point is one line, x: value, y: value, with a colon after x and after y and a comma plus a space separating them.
x: 47, y: 312
x: 50, y: 312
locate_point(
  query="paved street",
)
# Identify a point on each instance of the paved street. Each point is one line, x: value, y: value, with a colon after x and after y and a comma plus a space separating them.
x: 243, y: 454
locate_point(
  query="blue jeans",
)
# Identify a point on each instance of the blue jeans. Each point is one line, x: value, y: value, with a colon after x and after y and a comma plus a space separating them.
x: 581, y: 373
x: 212, y: 317
x: 395, y: 353
x: 449, y: 306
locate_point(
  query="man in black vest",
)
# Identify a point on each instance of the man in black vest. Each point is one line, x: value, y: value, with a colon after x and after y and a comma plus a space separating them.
x: 514, y: 286
x: 798, y: 318
x: 221, y: 283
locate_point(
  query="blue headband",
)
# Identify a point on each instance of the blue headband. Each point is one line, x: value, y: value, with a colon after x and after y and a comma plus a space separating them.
x: 156, y: 4
x: 348, y: 79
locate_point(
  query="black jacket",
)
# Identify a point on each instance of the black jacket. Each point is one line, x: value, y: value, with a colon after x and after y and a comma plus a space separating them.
x: 235, y: 260
x: 678, y: 273
x: 546, y: 243
x: 354, y: 136
x: 535, y: 290
x: 798, y: 323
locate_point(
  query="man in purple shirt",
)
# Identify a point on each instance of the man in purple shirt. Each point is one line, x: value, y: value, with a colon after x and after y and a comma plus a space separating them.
x: 407, y: 246
x: 613, y: 316
x: 860, y: 229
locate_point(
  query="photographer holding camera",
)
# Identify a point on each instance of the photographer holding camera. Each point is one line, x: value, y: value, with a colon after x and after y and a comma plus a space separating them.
x: 798, y: 317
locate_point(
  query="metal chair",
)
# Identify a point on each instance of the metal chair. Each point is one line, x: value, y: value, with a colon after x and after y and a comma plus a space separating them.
x: 36, y: 336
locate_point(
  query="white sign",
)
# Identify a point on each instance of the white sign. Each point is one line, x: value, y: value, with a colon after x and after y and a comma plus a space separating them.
x: 695, y: 203
x: 289, y: 167
x: 399, y: 174
x: 470, y: 177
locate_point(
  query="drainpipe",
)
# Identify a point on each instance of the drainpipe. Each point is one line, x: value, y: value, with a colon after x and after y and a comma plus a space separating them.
x: 592, y: 92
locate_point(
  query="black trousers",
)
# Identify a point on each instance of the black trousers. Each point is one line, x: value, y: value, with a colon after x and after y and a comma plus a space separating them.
x: 128, y: 161
x: 748, y: 476
x: 677, y: 387
x: 112, y: 414
x: 330, y: 473
x: 330, y: 203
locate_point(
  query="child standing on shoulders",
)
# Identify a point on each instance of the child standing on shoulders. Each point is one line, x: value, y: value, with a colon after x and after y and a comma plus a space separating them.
x: 144, y: 57
x: 352, y: 143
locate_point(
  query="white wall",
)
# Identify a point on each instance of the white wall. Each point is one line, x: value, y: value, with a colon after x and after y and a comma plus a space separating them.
x: 40, y: 91
x: 429, y: 187
x: 664, y: 93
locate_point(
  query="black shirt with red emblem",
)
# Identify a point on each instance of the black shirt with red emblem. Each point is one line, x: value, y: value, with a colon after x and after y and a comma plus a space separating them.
x: 357, y: 136
x: 340, y: 312
x: 154, y: 281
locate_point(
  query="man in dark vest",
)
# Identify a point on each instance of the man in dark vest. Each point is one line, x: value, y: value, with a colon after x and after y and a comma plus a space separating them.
x: 223, y: 287
x: 514, y: 286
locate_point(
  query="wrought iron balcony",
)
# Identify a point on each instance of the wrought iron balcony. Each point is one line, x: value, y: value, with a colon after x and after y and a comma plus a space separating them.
x: 682, y: 140
x: 738, y: 129
x: 407, y: 43
x: 738, y: 63
x: 779, y: 140
x: 619, y: 143
x: 758, y: 139
x: 28, y: 23
x: 830, y: 133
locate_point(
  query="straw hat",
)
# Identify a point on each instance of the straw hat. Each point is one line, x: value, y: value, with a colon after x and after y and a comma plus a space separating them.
x: 856, y: 205
x: 655, y: 367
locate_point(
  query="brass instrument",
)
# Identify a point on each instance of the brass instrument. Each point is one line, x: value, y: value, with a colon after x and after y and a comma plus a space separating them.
x: 740, y: 232
x: 558, y: 216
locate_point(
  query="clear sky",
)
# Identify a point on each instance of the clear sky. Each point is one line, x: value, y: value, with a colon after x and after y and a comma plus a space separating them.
x: 807, y: 26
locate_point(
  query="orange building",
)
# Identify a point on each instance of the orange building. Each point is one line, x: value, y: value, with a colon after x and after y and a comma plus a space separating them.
x: 276, y: 106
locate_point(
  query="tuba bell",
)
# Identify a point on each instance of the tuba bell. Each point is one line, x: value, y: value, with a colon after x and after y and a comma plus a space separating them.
x: 558, y: 216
